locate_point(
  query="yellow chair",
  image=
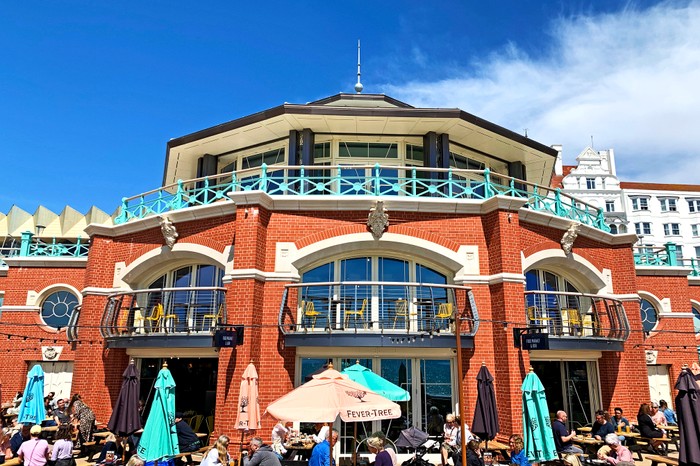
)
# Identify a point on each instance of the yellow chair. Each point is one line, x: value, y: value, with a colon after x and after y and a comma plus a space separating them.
x: 154, y: 318
x: 355, y: 314
x: 444, y: 312
x: 401, y: 310
x: 310, y: 312
x: 196, y: 422
x: 214, y: 317
x: 534, y: 319
x: 573, y: 317
x: 210, y: 424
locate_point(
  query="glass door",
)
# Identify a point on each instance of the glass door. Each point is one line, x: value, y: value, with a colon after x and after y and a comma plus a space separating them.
x: 435, y: 389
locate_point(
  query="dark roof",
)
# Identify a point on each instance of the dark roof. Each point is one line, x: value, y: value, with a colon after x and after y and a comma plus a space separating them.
x: 314, y: 108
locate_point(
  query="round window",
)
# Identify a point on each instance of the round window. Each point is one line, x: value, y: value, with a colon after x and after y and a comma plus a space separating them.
x: 649, y: 315
x: 57, y: 308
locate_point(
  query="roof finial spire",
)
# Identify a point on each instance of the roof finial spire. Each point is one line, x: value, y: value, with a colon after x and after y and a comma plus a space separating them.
x: 358, y: 86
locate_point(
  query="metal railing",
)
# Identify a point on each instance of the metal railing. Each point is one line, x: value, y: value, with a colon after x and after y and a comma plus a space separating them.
x: 163, y: 311
x: 359, y: 180
x: 577, y: 315
x: 72, y: 327
x: 653, y: 255
x: 377, y: 307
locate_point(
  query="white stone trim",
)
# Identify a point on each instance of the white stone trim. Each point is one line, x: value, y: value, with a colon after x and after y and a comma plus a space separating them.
x: 364, y: 242
x: 96, y: 291
x: 598, y: 281
x: 260, y: 275
x: 188, y: 214
x: 661, y: 270
x: 43, y: 261
x: 550, y: 220
x: 490, y: 279
x: 676, y: 315
x: 34, y: 298
x: 166, y: 258
x: 7, y: 308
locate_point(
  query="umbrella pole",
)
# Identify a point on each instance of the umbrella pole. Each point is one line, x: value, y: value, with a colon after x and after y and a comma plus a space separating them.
x: 462, y: 422
x: 354, y: 445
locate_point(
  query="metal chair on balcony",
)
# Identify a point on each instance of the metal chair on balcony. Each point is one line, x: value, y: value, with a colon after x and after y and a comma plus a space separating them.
x: 213, y: 317
x: 444, y: 311
x: 355, y: 314
x: 534, y: 319
x: 158, y: 317
x: 573, y: 317
x: 310, y: 312
x: 401, y: 310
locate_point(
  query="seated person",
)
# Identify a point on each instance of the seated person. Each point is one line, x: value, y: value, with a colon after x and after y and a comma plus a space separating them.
x: 435, y: 422
x: 5, y: 448
x: 387, y: 447
x: 62, y: 452
x: 616, y: 452
x: 647, y: 428
x: 321, y: 454
x: 321, y: 434
x: 668, y: 413
x: 562, y: 436
x: 518, y: 455
x: 279, y: 437
x: 260, y: 454
x: 601, y: 427
x: 111, y: 450
x: 186, y: 437
x: 60, y: 414
x: 20, y: 437
x: 450, y: 431
x: 619, y: 419
x: 474, y: 457
x: 656, y: 415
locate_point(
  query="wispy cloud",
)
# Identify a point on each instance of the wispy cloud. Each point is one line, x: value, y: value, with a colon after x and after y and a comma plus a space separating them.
x: 629, y: 79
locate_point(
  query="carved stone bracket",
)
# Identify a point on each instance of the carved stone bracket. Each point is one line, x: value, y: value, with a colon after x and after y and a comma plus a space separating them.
x: 169, y: 231
x: 378, y: 220
x: 567, y: 241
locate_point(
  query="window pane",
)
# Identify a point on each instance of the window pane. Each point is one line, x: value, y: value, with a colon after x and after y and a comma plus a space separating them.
x: 398, y: 372
x: 648, y: 314
x: 57, y: 308
x: 435, y: 388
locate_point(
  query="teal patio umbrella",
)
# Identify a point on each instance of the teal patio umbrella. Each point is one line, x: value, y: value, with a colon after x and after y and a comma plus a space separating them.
x: 378, y: 384
x: 31, y: 410
x: 537, y: 427
x: 159, y: 438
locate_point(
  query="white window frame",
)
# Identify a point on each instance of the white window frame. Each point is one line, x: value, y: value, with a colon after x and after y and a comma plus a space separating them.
x: 668, y: 204
x: 694, y: 205
x: 640, y: 203
x: 590, y: 183
x: 695, y: 229
x: 642, y: 228
x: 610, y: 206
x: 672, y: 229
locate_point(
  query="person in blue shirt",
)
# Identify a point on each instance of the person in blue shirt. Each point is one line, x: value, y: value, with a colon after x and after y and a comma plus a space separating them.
x: 321, y: 454
x: 618, y: 418
x: 517, y: 451
x: 601, y: 427
x: 668, y: 413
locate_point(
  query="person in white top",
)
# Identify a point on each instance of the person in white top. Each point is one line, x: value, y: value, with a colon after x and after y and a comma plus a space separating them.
x: 279, y: 436
x: 217, y: 455
x: 322, y: 433
x: 449, y: 445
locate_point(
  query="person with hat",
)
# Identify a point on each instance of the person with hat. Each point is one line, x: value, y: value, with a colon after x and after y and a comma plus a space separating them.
x: 186, y: 437
x: 35, y: 451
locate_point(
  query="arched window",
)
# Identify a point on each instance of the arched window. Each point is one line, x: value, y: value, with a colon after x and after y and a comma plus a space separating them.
x: 57, y: 308
x: 696, y: 318
x: 649, y: 315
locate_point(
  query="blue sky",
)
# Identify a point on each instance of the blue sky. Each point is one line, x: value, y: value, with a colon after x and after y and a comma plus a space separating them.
x: 90, y: 92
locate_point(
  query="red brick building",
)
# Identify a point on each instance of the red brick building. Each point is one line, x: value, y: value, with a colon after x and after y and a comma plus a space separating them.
x: 352, y: 228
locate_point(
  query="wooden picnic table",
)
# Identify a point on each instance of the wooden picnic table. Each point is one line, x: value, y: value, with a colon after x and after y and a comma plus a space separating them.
x: 590, y: 444
x: 586, y: 429
x: 496, y: 446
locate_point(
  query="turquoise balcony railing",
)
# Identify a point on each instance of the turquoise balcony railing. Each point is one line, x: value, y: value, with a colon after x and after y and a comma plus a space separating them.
x: 30, y: 247
x: 656, y: 255
x: 356, y: 180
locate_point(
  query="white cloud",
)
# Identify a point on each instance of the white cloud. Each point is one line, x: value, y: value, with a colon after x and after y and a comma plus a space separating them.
x: 629, y: 79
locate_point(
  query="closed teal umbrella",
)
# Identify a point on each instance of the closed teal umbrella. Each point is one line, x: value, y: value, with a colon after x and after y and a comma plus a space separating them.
x: 159, y: 438
x: 537, y: 427
x: 31, y: 410
x: 378, y: 384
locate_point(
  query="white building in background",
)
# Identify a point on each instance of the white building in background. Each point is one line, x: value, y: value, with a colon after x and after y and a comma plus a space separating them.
x: 657, y: 213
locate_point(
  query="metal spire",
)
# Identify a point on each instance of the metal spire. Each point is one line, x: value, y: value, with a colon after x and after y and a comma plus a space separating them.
x: 358, y: 86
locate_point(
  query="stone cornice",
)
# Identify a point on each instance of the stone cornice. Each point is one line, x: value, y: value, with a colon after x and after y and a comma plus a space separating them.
x: 96, y: 291
x: 216, y: 209
x: 677, y: 315
x: 560, y: 223
x: 256, y: 274
x: 494, y: 279
x: 7, y: 308
x: 661, y: 271
x: 396, y: 203
x: 47, y: 262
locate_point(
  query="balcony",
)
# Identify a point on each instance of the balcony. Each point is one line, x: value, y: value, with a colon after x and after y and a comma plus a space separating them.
x: 358, y: 180
x: 377, y: 314
x: 34, y: 247
x: 180, y: 317
x: 578, y: 320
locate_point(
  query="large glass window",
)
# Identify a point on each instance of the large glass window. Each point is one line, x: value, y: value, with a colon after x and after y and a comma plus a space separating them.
x: 560, y: 313
x: 369, y: 150
x: 696, y: 318
x: 270, y: 157
x: 668, y: 204
x: 57, y: 308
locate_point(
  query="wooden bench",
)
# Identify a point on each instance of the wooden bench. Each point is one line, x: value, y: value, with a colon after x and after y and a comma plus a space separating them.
x: 187, y: 456
x: 12, y: 462
x: 658, y: 459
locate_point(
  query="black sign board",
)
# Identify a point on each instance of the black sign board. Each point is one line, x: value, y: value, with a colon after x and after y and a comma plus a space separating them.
x: 535, y: 341
x: 229, y: 337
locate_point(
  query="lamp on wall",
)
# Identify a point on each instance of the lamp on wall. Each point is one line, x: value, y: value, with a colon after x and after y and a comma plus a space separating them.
x: 39, y: 229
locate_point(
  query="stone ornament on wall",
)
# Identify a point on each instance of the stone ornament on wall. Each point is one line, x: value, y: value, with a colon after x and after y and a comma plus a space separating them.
x: 51, y: 353
x: 378, y: 220
x: 651, y: 356
x: 169, y: 232
x: 567, y: 241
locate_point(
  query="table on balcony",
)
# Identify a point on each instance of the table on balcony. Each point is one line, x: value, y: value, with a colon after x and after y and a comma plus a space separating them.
x: 425, y: 314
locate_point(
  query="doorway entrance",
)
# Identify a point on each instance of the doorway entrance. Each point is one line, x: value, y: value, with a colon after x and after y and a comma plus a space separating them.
x: 571, y: 386
x: 195, y: 383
